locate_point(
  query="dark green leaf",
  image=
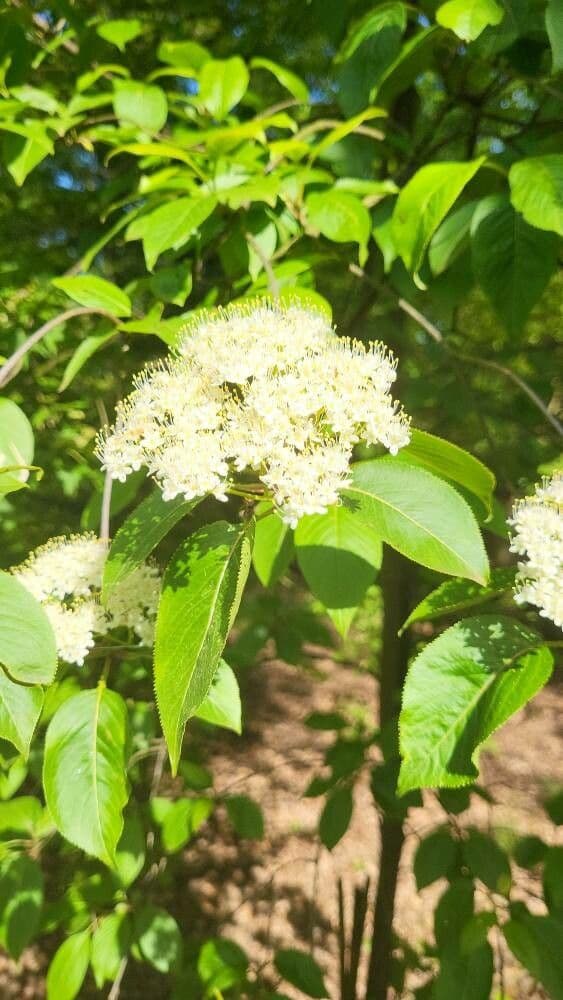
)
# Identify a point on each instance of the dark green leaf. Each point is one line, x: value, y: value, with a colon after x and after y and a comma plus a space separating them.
x: 536, y: 943
x: 487, y: 861
x: 246, y: 817
x: 336, y: 816
x: 301, y: 971
x: 436, y: 857
x: 553, y: 880
x: 512, y: 260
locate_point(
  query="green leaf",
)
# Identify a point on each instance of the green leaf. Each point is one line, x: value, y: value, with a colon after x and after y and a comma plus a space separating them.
x: 110, y: 945
x: 22, y: 154
x: 385, y: 19
x: 423, y: 204
x: 170, y: 225
x: 222, y: 84
x: 68, y: 967
x: 553, y: 880
x: 340, y: 216
x: 273, y: 545
x: 339, y: 556
x: 487, y: 861
x: 450, y: 239
x: 554, y: 807
x: 419, y: 515
x: 336, y: 816
x: 130, y: 850
x: 221, y: 964
x: 454, y: 910
x: 536, y: 190
x: 189, y: 54
x: 21, y: 817
x: 301, y: 970
x: 84, y: 771
x: 462, y: 687
x: 16, y: 446
x: 85, y: 350
x: 475, y: 932
x: 180, y: 820
x: 450, y: 462
x: 120, y: 31
x: 95, y: 293
x: 222, y: 706
x: 201, y: 592
x: 290, y: 81
x: 158, y: 937
x: 554, y: 28
x: 466, y: 976
x: 536, y: 943
x: 468, y: 18
x: 454, y: 596
x: 436, y: 857
x: 529, y: 851
x: 27, y: 643
x: 140, y: 104
x: 139, y: 534
x: 512, y: 261
x: 172, y: 284
x: 21, y: 901
x: 246, y: 817
x: 20, y: 708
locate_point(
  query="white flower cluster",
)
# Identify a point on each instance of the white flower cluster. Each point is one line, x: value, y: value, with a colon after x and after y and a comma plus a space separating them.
x: 537, y: 523
x: 268, y: 391
x: 65, y: 576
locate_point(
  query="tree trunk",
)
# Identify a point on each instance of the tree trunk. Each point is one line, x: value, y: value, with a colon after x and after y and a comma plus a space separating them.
x: 396, y: 576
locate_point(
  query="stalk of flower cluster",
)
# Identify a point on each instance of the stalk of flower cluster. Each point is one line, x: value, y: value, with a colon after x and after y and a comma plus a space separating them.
x: 537, y: 534
x: 65, y: 576
x: 266, y: 389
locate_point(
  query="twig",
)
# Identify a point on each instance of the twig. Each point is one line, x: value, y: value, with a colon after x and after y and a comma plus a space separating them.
x: 273, y: 283
x: 424, y: 322
x: 106, y: 508
x: 10, y: 368
x: 116, y: 988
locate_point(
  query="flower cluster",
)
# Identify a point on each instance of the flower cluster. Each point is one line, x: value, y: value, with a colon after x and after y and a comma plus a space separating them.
x: 65, y: 576
x: 537, y: 523
x: 267, y: 392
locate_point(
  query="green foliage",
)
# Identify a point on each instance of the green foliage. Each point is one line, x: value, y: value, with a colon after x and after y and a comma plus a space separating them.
x: 420, y: 516
x: 27, y: 643
x: 84, y: 772
x: 459, y: 689
x: 165, y: 160
x: 301, y: 971
x: 202, y: 588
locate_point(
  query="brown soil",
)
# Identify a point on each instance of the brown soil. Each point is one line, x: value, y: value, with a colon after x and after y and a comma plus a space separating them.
x: 282, y: 891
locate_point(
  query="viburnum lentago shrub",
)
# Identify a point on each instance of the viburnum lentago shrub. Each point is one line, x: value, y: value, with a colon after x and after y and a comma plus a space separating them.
x: 65, y: 576
x: 267, y: 390
x: 537, y: 523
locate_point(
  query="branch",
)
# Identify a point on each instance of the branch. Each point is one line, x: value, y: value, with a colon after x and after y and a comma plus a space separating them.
x: 10, y: 369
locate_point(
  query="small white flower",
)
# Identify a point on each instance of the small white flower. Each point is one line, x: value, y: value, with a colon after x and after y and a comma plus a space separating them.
x: 267, y: 390
x: 65, y: 576
x: 537, y: 523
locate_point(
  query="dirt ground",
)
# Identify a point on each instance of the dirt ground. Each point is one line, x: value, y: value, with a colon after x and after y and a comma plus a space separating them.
x: 282, y: 891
